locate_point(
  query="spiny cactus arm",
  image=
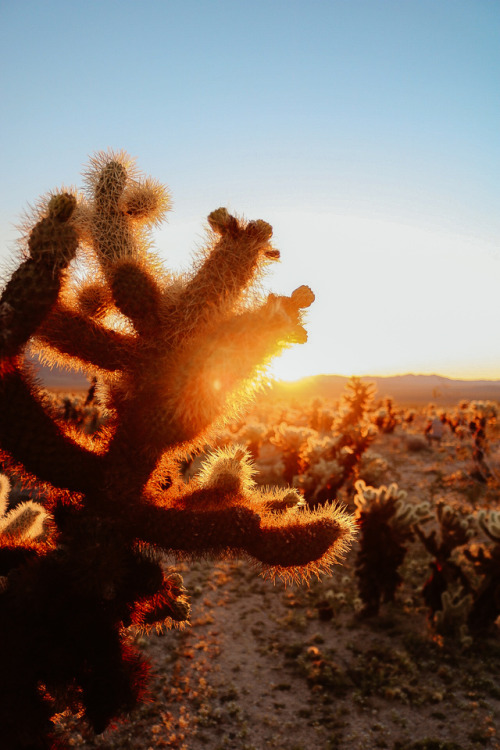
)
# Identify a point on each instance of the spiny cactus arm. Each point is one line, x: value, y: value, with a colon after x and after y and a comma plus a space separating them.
x: 72, y: 334
x: 407, y: 515
x: 489, y: 522
x: 293, y: 544
x: 30, y: 439
x: 226, y: 479
x: 428, y: 540
x: 228, y: 269
x: 456, y: 528
x: 206, y: 377
x: 136, y: 294
x: 168, y: 606
x: 102, y: 221
x: 401, y: 514
x: 452, y: 618
x: 119, y: 206
x: 217, y: 365
x: 34, y: 287
x: 23, y: 522
x: 4, y: 493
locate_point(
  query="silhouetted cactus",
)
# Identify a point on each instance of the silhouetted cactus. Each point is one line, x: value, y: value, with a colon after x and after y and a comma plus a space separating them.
x: 386, y: 522
x: 455, y: 530
x: 485, y: 607
x: 175, y: 355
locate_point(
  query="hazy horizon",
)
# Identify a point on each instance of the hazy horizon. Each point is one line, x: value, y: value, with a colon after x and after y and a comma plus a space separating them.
x: 391, y: 375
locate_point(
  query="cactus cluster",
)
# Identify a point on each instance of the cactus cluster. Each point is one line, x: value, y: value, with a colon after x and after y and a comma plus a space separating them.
x: 386, y: 521
x: 330, y: 460
x: 174, y: 354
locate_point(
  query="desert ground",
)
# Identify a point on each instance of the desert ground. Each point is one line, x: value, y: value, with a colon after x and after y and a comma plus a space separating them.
x: 263, y: 665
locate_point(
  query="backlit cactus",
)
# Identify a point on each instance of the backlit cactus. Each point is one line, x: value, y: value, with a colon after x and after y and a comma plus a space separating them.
x: 352, y: 436
x: 175, y: 355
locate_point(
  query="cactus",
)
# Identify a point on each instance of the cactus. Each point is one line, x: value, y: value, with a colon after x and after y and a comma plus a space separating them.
x: 485, y: 607
x: 385, y: 417
x: 386, y: 522
x: 292, y: 442
x: 175, y: 355
x: 455, y: 530
x: 22, y: 530
x: 450, y: 622
x: 329, y: 464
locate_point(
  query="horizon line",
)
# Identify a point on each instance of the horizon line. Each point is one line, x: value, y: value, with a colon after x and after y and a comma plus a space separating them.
x: 393, y: 375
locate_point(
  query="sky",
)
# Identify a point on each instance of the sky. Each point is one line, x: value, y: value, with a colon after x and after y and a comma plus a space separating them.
x: 367, y: 132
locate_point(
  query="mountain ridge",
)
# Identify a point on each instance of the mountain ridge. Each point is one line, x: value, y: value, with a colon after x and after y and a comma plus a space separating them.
x: 408, y: 388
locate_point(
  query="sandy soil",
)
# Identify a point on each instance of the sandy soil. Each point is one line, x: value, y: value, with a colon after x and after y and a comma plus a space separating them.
x: 264, y: 666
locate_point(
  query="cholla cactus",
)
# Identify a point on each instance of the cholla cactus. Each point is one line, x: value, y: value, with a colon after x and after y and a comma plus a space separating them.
x: 352, y: 434
x: 252, y: 434
x: 292, y: 441
x: 4, y: 493
x: 489, y: 522
x: 450, y: 622
x: 175, y: 356
x: 319, y: 474
x: 486, y: 605
x: 386, y: 520
x: 483, y: 409
x: 81, y: 411
x: 22, y: 523
x: 25, y: 522
x: 321, y: 417
x: 456, y: 529
x: 385, y: 418
x: 21, y: 530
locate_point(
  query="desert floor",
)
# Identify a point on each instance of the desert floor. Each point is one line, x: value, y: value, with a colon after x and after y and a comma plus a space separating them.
x: 267, y: 666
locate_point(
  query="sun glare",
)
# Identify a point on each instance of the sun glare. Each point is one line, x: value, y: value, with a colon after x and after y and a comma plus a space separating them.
x: 391, y: 297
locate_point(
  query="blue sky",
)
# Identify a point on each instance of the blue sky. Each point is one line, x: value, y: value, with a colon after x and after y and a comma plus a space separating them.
x: 365, y: 131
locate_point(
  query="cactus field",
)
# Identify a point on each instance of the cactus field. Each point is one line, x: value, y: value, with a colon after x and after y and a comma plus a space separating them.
x: 269, y: 665
x: 188, y: 561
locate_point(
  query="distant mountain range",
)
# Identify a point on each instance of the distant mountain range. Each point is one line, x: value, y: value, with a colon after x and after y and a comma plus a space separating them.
x: 57, y: 379
x: 404, y: 389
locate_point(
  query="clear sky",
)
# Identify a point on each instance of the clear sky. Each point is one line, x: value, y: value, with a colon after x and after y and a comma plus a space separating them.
x: 367, y: 132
